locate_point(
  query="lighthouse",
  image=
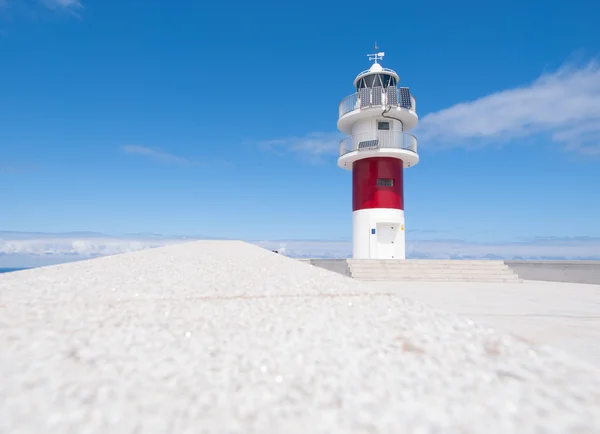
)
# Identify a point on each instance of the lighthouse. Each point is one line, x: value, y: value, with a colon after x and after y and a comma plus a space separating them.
x: 377, y: 119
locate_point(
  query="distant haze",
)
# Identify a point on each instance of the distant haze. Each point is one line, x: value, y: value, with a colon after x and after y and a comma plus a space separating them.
x: 21, y: 249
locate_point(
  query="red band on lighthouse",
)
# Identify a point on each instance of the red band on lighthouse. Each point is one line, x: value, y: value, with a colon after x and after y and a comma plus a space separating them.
x: 377, y: 183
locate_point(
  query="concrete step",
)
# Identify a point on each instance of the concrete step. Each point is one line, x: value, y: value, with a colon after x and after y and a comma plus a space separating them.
x: 425, y: 261
x: 431, y: 264
x: 475, y: 273
x: 426, y: 268
x: 439, y: 279
x: 457, y: 275
x: 431, y: 270
x: 445, y: 279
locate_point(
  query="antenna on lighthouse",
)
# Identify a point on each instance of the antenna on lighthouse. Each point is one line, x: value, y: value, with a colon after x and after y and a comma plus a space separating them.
x: 377, y: 55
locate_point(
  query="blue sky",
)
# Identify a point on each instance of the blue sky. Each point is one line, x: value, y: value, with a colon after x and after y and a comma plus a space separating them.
x: 219, y: 118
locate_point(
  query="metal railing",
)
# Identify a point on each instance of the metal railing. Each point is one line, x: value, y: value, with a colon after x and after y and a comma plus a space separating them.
x: 348, y: 104
x: 378, y: 140
x: 378, y: 97
x: 365, y: 72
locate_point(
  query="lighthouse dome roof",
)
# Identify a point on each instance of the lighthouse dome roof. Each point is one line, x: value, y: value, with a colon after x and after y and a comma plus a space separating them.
x: 376, y: 67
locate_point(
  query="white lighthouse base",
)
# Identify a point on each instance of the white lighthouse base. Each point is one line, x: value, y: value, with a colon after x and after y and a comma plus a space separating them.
x: 378, y: 233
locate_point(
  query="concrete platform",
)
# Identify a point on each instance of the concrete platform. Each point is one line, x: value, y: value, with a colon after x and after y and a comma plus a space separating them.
x: 565, y: 315
x: 224, y: 337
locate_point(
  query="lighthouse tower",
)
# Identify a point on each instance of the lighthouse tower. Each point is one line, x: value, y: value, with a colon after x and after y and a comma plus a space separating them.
x: 377, y: 118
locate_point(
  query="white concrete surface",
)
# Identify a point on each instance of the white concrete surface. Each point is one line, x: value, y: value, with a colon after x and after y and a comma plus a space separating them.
x: 564, y: 315
x: 223, y: 337
x: 558, y: 271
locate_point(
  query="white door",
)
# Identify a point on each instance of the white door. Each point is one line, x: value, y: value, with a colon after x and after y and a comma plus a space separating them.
x: 386, y: 235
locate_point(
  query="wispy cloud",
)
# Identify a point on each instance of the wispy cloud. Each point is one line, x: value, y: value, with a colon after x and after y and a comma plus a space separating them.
x: 535, y: 248
x: 50, y: 4
x: 312, y: 146
x: 66, y: 4
x: 156, y: 154
x: 19, y: 249
x: 34, y: 9
x: 563, y: 105
x: 36, y: 249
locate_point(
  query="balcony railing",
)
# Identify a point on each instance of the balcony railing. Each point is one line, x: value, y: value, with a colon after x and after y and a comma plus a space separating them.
x: 378, y: 140
x: 378, y: 97
x: 382, y: 70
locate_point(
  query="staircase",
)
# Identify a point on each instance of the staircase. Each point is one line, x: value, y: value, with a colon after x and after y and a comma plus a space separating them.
x: 431, y: 270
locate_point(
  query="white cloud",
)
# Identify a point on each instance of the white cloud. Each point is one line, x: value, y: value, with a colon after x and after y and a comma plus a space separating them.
x: 35, y: 249
x: 536, y: 248
x: 155, y: 154
x: 564, y: 105
x: 312, y: 146
x: 34, y: 9
x: 308, y: 249
x: 78, y: 245
x: 540, y: 248
x: 66, y: 4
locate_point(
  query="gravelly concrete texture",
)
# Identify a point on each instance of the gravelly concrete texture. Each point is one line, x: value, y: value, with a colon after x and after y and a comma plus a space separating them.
x: 225, y: 337
x: 564, y: 315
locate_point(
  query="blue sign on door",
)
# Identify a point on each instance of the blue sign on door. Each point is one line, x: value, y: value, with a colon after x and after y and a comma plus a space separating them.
x: 372, y: 231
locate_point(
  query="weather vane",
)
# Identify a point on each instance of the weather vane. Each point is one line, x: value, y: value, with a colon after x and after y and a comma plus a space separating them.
x: 377, y: 55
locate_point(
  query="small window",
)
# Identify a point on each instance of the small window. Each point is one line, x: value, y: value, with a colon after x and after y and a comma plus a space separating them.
x: 385, y: 182
x: 383, y: 125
